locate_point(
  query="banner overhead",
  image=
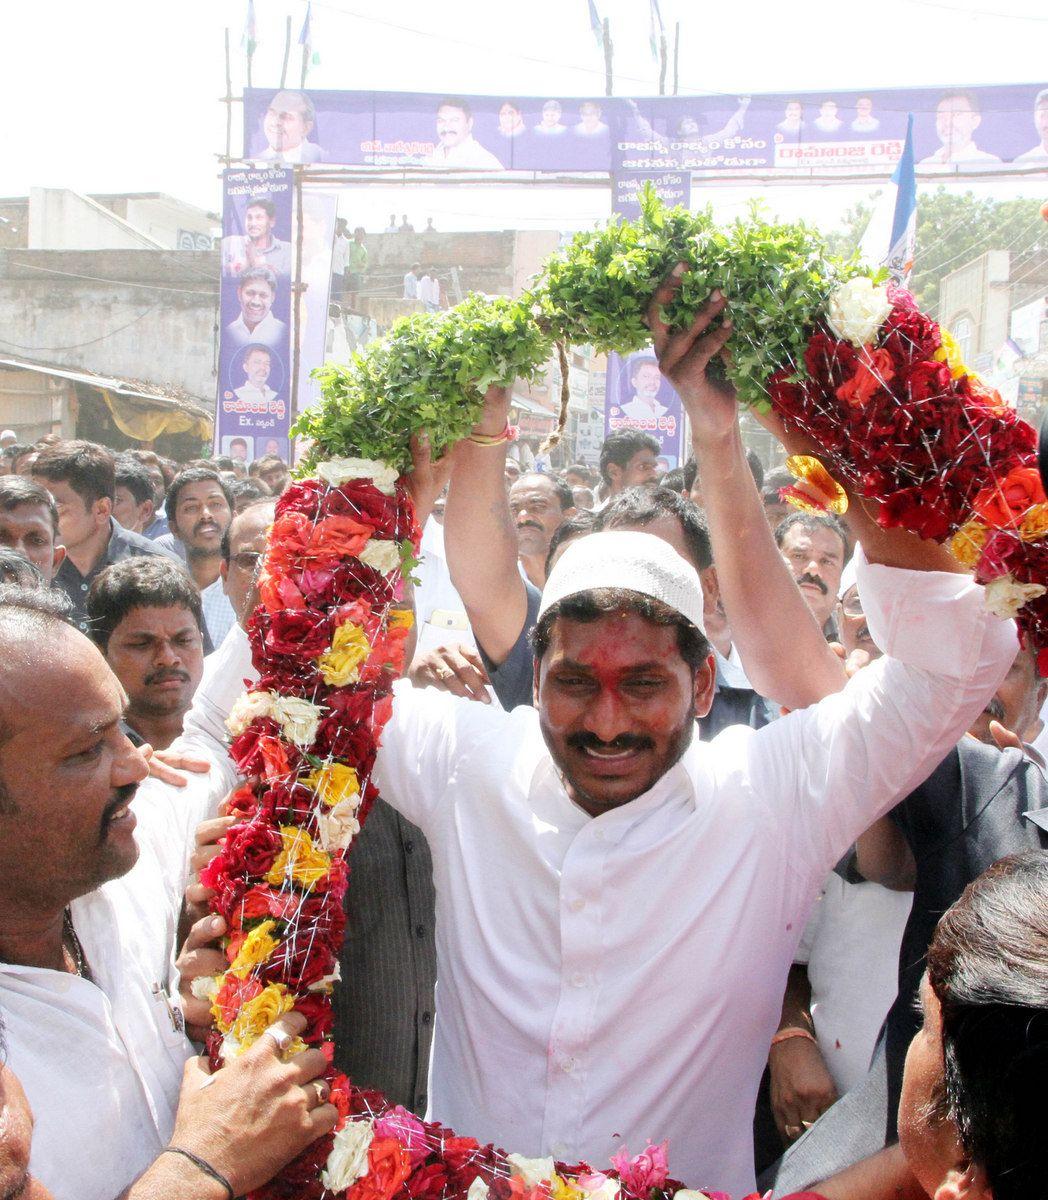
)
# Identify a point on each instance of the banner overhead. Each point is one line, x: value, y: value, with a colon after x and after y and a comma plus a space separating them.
x: 981, y: 129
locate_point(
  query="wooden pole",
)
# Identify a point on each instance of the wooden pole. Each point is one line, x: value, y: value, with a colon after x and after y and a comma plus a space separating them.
x: 608, y: 82
x: 676, y: 59
x: 663, y: 61
x: 287, y: 54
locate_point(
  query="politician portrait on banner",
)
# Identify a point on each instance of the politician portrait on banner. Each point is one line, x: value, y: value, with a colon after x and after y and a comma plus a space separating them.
x: 638, y: 396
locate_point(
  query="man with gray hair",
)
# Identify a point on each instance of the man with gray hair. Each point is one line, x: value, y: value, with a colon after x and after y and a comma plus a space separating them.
x: 288, y: 122
x: 620, y: 902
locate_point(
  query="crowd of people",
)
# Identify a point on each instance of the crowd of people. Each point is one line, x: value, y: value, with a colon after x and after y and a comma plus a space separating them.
x: 676, y: 793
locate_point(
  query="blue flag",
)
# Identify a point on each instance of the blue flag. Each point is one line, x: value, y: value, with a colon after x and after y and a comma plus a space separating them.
x: 891, y: 236
x: 249, y: 39
x: 596, y: 24
x: 657, y: 28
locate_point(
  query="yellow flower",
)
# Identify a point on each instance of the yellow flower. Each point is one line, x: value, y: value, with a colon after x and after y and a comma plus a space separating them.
x: 816, y: 491
x: 258, y: 1014
x: 349, y: 648
x: 299, y: 859
x: 560, y: 1189
x: 255, y: 949
x: 401, y: 618
x: 967, y: 543
x: 333, y: 783
x: 950, y: 353
x: 1034, y: 524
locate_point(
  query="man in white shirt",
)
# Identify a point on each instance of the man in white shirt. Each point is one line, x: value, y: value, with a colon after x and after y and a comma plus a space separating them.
x: 256, y: 246
x: 827, y: 121
x: 256, y: 291
x: 90, y: 893
x: 645, y: 379
x: 865, y: 121
x: 288, y: 122
x: 257, y: 364
x: 412, y: 281
x: 429, y: 290
x: 619, y: 904
x: 1038, y: 153
x: 957, y: 117
x: 457, y: 148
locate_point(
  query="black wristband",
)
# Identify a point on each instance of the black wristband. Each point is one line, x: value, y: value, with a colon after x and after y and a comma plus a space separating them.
x: 203, y: 1165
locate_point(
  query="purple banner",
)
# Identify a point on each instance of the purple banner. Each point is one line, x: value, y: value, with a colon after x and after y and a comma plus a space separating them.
x: 254, y: 357
x: 967, y: 129
x: 672, y: 188
x: 639, y: 397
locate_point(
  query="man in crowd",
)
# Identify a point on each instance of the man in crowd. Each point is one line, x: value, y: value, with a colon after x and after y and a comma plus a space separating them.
x: 243, y: 545
x: 627, y: 459
x: 356, y: 265
x: 133, y: 504
x: 815, y: 548
x: 82, y: 479
x: 691, y: 485
x: 199, y: 509
x: 90, y: 894
x: 256, y: 291
x: 257, y: 246
x: 411, y: 281
x: 29, y: 524
x: 258, y: 365
x: 288, y: 122
x: 151, y: 461
x: 246, y: 491
x: 338, y: 259
x: 539, y: 504
x: 144, y: 615
x: 457, y: 148
x: 272, y: 471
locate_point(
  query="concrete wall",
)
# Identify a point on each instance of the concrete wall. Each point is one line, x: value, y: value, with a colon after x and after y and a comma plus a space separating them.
x: 60, y: 219
x: 135, y: 314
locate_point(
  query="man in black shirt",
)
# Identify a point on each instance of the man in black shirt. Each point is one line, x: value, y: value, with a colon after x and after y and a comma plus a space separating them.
x: 82, y: 479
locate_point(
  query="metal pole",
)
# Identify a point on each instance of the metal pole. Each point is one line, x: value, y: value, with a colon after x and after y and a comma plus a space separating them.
x: 305, y: 64
x: 229, y: 106
x: 287, y: 53
x: 663, y: 59
x: 607, y: 58
x: 676, y: 58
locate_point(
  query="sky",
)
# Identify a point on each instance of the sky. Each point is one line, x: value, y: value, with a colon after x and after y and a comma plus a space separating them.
x: 124, y: 95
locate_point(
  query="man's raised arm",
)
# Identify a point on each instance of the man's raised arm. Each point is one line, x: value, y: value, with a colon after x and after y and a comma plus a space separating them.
x: 479, y: 536
x: 782, y: 648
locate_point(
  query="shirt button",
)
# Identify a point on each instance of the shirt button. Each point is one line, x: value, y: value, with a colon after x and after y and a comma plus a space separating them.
x: 420, y: 931
x: 409, y: 847
x: 568, y: 1065
x: 579, y: 980
x: 577, y: 905
x: 84, y: 587
x: 426, y: 1018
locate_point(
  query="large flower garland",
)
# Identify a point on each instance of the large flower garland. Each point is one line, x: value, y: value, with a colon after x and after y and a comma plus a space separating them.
x: 874, y: 382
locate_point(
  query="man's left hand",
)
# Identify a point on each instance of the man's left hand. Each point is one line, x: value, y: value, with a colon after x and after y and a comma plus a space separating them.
x: 167, y: 765
x: 428, y: 476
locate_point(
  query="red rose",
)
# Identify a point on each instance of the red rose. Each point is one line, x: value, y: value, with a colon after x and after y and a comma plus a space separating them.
x: 362, y: 500
x: 1004, y: 502
x: 300, y: 960
x: 303, y: 632
x: 303, y: 497
x: 916, y: 509
x: 232, y: 995
x: 428, y: 1182
x: 318, y: 1012
x: 251, y: 849
x: 928, y: 381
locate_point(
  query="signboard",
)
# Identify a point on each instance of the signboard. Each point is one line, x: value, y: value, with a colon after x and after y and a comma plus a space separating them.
x: 254, y: 356
x: 672, y: 188
x: 638, y: 397
x: 970, y: 129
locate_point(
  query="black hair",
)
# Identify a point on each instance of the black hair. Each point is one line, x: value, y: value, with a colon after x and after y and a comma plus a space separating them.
x: 17, y: 490
x: 263, y: 273
x: 674, y: 480
x: 249, y: 489
x: 775, y: 480
x: 17, y: 450
x: 148, y: 581
x: 563, y: 490
x: 960, y: 94
x: 643, y: 505
x: 988, y: 967
x: 691, y: 471
x: 602, y: 602
x: 810, y: 522
x: 193, y: 475
x: 582, y: 522
x: 620, y: 446
x: 455, y: 102
x: 18, y: 571
x: 87, y: 468
x: 265, y: 462
x: 262, y: 202
x: 131, y: 474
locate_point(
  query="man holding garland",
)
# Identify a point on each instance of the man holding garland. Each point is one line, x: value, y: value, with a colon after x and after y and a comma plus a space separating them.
x: 618, y: 902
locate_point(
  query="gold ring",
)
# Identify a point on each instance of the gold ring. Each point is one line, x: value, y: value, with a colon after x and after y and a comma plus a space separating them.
x: 322, y: 1089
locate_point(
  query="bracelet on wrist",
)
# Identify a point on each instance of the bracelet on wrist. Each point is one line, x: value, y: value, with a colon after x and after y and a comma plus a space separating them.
x: 509, y: 433
x: 203, y: 1165
x: 793, y: 1031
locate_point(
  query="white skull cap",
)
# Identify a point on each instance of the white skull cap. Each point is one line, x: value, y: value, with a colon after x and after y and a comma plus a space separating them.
x: 634, y: 562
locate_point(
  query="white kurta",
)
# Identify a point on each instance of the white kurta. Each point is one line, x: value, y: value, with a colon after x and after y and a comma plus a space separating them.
x: 102, y: 1062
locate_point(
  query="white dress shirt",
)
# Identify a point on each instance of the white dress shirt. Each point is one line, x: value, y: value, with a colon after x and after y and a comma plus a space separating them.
x: 254, y: 394
x: 607, y: 980
x: 268, y: 332
x: 219, y: 617
x: 101, y: 1062
x: 467, y: 155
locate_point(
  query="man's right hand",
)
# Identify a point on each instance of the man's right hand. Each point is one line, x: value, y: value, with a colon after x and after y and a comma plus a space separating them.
x: 199, y: 958
x: 256, y: 1114
x: 802, y: 1088
x: 456, y: 669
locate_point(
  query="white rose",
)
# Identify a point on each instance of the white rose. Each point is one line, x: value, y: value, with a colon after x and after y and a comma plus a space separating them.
x: 348, y: 1160
x: 688, y: 1194
x: 298, y: 719
x: 337, y: 471
x: 857, y: 310
x: 327, y: 982
x: 532, y: 1170
x: 205, y: 987
x: 1005, y: 596
x: 338, y: 826
x: 249, y: 707
x: 478, y: 1190
x: 608, y: 1190
x: 382, y: 556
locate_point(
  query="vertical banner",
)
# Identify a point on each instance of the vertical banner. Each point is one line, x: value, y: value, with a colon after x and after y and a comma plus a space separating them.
x: 636, y: 395
x: 318, y: 242
x: 254, y: 355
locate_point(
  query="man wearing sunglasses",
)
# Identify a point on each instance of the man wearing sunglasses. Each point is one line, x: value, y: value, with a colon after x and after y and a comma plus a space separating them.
x: 242, y: 546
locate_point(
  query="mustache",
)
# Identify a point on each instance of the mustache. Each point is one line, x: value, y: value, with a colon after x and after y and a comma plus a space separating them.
x: 814, y: 580
x: 121, y: 796
x: 625, y: 741
x: 529, y: 525
x: 166, y: 673
x: 995, y: 709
